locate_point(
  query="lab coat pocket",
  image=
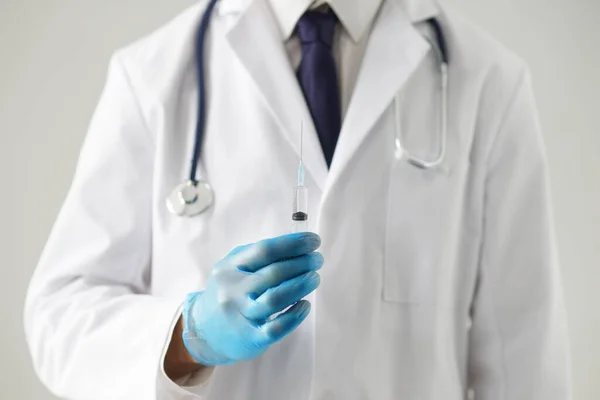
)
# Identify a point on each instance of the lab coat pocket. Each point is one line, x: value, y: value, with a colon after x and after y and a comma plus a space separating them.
x: 424, y: 216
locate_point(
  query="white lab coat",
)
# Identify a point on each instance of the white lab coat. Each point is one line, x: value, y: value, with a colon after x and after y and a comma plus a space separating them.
x: 414, y: 258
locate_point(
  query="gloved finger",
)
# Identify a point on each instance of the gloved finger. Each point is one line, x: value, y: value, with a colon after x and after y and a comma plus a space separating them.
x: 282, y: 325
x: 258, y: 255
x: 279, y: 298
x: 275, y: 274
x: 238, y: 249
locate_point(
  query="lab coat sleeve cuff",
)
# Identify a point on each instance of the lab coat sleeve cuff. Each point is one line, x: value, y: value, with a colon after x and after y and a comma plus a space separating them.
x: 192, y: 386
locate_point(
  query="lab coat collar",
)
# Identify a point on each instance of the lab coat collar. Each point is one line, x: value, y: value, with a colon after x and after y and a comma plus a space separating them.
x: 256, y: 41
x: 419, y: 10
x: 394, y: 50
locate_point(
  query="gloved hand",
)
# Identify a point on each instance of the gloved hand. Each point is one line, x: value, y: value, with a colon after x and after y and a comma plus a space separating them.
x: 230, y: 321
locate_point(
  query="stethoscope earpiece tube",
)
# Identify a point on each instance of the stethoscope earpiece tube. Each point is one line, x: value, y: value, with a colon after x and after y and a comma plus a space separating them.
x: 440, y: 50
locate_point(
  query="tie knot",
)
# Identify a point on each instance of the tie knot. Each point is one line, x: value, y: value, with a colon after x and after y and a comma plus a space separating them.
x: 315, y: 26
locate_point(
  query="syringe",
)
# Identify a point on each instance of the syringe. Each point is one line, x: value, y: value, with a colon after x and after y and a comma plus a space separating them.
x: 300, y: 195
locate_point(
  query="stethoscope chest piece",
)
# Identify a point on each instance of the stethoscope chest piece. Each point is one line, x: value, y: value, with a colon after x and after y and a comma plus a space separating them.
x: 190, y: 198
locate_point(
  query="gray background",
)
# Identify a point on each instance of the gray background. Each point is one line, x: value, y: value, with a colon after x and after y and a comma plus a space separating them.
x: 53, y: 58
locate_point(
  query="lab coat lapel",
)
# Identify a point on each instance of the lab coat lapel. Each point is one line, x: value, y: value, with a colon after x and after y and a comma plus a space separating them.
x: 256, y: 40
x: 394, y: 51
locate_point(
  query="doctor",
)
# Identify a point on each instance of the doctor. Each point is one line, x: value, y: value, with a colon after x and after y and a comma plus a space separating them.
x: 436, y: 281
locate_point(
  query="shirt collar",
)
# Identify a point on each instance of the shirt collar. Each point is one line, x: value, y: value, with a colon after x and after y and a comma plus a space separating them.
x: 355, y: 15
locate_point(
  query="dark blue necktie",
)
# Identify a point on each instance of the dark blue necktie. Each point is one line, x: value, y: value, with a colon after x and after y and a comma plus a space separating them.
x: 318, y: 78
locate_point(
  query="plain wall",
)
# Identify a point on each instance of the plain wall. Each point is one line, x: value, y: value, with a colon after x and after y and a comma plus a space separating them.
x: 53, y: 59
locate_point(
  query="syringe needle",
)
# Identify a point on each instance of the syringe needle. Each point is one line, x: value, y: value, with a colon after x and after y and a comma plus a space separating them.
x: 301, y: 138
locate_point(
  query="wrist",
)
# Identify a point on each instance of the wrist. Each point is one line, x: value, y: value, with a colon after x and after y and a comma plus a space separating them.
x: 178, y: 361
x: 197, y: 345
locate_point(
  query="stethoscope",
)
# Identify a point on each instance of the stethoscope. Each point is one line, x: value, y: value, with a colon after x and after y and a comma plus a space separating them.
x: 195, y: 195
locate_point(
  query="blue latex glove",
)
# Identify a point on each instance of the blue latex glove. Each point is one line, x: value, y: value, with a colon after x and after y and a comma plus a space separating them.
x: 231, y: 320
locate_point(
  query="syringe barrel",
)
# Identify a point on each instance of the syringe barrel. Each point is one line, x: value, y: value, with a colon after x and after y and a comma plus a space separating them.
x: 300, y: 209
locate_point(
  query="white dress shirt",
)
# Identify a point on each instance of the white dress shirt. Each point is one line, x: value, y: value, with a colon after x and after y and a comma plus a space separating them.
x: 350, y: 38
